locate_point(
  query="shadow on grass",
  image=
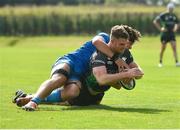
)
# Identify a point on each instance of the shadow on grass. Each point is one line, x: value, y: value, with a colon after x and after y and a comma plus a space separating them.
x: 106, y: 107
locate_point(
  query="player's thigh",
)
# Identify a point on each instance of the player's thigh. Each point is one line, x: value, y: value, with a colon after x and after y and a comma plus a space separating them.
x: 163, y: 45
x: 59, y: 68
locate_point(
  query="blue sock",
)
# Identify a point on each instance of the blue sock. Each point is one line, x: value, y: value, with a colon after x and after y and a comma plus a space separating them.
x: 54, y: 97
x: 37, y: 100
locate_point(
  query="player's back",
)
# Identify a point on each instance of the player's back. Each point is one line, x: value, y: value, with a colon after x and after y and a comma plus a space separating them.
x: 82, y: 55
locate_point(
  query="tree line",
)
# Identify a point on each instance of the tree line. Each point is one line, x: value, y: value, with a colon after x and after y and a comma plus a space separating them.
x: 77, y: 2
x: 56, y: 24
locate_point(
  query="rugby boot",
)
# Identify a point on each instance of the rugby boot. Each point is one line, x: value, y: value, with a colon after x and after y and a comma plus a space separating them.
x: 18, y: 94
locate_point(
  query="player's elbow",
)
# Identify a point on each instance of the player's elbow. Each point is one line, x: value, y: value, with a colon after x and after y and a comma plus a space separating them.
x: 96, y: 42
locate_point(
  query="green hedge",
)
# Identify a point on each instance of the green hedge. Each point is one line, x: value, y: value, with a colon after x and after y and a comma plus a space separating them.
x: 54, y: 23
x: 49, y: 2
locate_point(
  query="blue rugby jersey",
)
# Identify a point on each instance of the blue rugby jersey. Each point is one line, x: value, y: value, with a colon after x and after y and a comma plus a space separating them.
x: 81, y: 57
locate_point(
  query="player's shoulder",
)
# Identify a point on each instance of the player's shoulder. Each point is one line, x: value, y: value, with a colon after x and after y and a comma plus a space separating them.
x: 103, y: 33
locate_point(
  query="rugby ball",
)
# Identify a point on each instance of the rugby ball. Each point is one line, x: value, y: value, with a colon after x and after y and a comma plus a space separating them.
x: 129, y: 86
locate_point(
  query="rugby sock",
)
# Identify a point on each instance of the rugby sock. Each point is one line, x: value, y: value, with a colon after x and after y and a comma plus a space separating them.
x: 54, y: 97
x: 37, y: 100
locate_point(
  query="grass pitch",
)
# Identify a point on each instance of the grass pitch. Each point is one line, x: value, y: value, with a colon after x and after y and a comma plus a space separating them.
x: 25, y: 62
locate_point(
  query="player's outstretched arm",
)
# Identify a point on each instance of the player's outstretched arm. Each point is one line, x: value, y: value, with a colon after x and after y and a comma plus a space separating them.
x: 103, y: 78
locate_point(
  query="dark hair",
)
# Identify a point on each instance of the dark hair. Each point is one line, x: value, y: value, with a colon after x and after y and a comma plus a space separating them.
x: 134, y: 34
x: 118, y: 31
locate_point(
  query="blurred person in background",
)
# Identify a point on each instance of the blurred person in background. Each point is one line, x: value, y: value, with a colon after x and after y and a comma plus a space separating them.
x: 167, y: 23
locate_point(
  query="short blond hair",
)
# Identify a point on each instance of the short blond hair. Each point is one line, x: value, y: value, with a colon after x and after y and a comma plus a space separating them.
x: 118, y: 31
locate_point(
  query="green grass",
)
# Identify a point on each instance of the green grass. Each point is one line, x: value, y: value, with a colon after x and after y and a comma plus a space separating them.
x: 26, y: 61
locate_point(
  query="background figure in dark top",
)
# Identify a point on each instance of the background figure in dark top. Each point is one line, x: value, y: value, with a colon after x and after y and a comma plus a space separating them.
x: 167, y: 23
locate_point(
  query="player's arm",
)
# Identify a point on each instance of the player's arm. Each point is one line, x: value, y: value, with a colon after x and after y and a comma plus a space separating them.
x: 135, y: 65
x: 157, y: 24
x: 103, y: 78
x: 101, y: 46
x: 132, y: 64
x: 99, y: 43
x: 176, y: 26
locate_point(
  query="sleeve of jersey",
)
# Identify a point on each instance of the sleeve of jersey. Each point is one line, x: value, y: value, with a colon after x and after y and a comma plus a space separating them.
x: 99, y: 60
x: 105, y: 37
x: 160, y: 17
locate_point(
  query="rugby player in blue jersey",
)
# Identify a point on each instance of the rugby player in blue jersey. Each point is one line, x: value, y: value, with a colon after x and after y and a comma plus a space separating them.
x: 167, y: 24
x: 74, y: 65
x: 83, y: 96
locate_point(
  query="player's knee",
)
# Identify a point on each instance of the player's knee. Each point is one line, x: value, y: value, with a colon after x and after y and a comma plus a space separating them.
x: 59, y: 78
x: 61, y: 70
x: 73, y: 91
